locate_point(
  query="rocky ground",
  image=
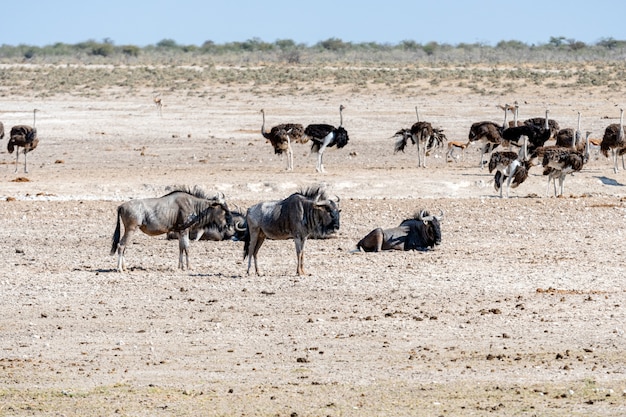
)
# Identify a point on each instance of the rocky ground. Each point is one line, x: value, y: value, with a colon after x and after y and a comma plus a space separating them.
x: 520, y: 311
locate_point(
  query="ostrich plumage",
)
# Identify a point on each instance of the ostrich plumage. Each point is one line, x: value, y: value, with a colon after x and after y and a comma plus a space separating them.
x: 25, y: 137
x: 560, y: 161
x: 614, y: 140
x: 489, y: 133
x: 569, y: 137
x: 281, y: 136
x: 510, y: 166
x: 537, y: 134
x: 324, y: 136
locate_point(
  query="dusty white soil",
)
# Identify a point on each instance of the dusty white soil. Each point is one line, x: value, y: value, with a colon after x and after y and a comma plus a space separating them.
x: 520, y: 311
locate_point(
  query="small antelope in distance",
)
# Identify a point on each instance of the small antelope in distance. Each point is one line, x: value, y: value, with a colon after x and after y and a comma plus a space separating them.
x: 454, y: 146
x: 158, y: 103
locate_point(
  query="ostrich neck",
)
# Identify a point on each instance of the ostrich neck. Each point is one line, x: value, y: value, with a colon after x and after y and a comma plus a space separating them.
x: 417, y: 114
x: 504, y: 126
x: 547, y: 125
x: 263, y: 132
x: 620, y: 132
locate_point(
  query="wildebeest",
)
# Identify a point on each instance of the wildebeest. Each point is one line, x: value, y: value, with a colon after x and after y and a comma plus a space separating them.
x: 210, y: 232
x: 303, y: 214
x: 174, y: 212
x: 421, y: 232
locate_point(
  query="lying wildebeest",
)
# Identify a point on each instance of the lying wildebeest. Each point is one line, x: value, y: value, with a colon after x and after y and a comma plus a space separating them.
x: 174, y: 212
x: 419, y: 233
x: 301, y: 215
x: 210, y: 232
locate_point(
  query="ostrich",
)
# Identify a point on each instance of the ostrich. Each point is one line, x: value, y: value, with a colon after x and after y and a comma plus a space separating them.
x: 421, y: 134
x: 510, y: 166
x: 23, y: 136
x: 324, y: 135
x: 540, y: 122
x: 280, y: 137
x: 1, y: 130
x: 537, y: 135
x: 569, y: 137
x: 613, y: 139
x: 558, y: 162
x: 488, y: 132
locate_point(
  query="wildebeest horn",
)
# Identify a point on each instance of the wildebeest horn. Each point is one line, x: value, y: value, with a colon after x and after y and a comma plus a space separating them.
x: 425, y: 218
x: 440, y: 216
x: 241, y: 228
x: 220, y: 197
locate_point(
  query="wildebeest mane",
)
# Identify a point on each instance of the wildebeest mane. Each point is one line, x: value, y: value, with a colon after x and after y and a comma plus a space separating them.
x: 314, y: 192
x: 195, y: 191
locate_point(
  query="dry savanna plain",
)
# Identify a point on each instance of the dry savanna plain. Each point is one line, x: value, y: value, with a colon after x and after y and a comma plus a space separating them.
x: 519, y: 311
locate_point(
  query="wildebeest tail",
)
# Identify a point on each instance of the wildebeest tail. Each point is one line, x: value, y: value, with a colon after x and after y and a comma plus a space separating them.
x: 246, y: 242
x: 116, y: 234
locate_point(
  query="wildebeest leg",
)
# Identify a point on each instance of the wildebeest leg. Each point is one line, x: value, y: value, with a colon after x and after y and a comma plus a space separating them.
x: 121, y: 247
x: 300, y: 254
x: 183, y: 247
x: 253, y: 250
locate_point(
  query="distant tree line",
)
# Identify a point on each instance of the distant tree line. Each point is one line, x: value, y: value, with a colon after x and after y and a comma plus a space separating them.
x: 557, y: 49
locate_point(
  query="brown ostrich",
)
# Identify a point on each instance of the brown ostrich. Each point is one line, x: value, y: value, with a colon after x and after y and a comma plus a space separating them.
x: 281, y: 136
x: 23, y: 136
x: 613, y: 140
x: 489, y: 133
x: 558, y: 162
x: 569, y: 137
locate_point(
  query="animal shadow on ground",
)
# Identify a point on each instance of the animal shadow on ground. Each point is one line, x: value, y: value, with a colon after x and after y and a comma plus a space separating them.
x: 610, y: 181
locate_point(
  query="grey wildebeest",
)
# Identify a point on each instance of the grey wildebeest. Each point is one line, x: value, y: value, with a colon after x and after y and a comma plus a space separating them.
x: 174, y: 212
x: 304, y: 214
x: 421, y: 232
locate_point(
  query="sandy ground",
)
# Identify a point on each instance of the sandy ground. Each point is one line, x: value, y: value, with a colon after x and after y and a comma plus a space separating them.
x: 520, y: 311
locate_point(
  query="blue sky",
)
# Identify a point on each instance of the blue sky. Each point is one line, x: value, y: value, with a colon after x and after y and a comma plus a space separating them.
x: 143, y: 22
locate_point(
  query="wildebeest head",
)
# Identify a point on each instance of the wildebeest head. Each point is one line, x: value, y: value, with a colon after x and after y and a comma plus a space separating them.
x: 433, y: 228
x: 425, y: 230
x: 329, y: 215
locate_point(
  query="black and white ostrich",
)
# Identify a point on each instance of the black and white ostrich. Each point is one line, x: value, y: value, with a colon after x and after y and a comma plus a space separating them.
x: 614, y: 140
x: 558, y: 162
x: 510, y: 167
x: 324, y: 136
x: 23, y: 136
x: 540, y: 122
x: 489, y: 133
x: 281, y: 136
x: 537, y: 134
x: 422, y: 134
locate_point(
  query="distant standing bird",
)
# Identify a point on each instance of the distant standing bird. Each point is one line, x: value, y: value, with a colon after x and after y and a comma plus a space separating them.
x: 613, y: 140
x: 510, y: 166
x: 324, y: 135
x: 280, y: 136
x: 23, y: 136
x: 558, y: 162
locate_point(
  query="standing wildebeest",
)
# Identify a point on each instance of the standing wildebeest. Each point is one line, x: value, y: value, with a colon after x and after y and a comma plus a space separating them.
x: 301, y: 215
x: 419, y: 233
x: 174, y: 212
